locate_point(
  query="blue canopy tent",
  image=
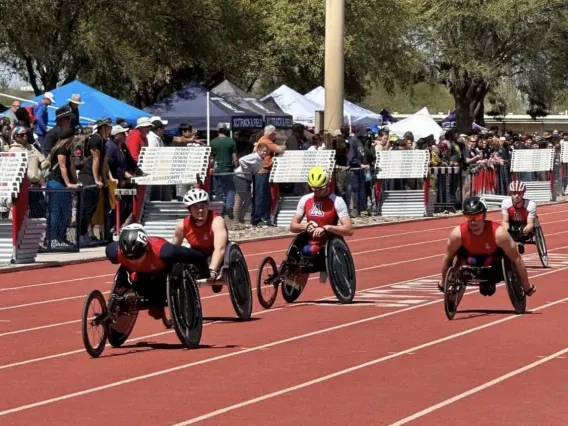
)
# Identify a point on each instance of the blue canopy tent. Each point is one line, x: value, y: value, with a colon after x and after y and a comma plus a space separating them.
x: 241, y: 98
x: 189, y: 105
x: 97, y: 105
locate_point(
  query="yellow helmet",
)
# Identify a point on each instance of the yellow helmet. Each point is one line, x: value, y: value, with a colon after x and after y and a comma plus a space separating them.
x: 318, y: 177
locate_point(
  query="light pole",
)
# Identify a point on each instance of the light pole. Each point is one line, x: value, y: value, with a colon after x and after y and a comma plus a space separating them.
x: 334, y: 63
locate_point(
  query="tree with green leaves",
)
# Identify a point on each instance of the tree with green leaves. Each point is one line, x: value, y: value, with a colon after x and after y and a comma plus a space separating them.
x: 472, y: 45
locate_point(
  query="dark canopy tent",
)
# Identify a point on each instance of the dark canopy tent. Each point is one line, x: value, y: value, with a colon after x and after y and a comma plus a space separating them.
x: 189, y: 105
x: 241, y: 98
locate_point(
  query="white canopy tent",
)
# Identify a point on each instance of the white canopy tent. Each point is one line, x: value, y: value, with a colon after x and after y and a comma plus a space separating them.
x: 349, y: 109
x: 291, y: 102
x: 420, y: 124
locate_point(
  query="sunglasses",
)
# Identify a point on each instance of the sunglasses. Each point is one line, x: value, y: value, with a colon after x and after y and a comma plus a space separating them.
x: 474, y: 217
x: 323, y: 188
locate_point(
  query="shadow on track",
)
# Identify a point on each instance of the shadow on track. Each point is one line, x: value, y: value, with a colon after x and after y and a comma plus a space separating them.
x: 487, y: 312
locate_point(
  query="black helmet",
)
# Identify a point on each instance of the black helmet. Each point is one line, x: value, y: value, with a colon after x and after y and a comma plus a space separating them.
x: 133, y: 241
x: 474, y: 205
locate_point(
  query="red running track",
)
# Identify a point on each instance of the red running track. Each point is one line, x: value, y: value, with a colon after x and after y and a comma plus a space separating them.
x: 390, y: 358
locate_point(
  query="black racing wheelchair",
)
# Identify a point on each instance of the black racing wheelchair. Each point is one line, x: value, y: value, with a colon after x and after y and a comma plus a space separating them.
x: 114, y: 321
x: 182, y: 305
x: 536, y: 237
x: 458, y: 278
x: 333, y: 261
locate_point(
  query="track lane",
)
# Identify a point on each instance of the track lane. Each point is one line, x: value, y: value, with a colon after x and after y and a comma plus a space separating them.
x: 305, y: 357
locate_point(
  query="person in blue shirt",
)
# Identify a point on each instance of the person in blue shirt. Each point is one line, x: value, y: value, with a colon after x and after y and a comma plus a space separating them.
x: 40, y: 112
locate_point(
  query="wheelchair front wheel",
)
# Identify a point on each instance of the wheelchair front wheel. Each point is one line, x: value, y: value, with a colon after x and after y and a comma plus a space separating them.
x: 266, y: 282
x: 541, y: 246
x: 185, y: 305
x: 95, y: 314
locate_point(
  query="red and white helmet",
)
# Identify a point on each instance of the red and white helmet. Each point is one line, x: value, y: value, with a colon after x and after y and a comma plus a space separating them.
x: 517, y: 186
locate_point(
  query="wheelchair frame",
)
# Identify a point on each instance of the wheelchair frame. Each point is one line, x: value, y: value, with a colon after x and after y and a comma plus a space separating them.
x: 536, y: 238
x: 289, y: 268
x: 122, y: 305
x: 458, y: 278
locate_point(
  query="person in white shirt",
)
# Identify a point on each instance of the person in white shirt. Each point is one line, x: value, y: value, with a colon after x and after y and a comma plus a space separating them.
x: 249, y: 165
x: 155, y: 135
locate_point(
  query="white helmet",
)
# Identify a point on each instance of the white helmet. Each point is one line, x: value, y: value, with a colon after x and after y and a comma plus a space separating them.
x: 194, y: 196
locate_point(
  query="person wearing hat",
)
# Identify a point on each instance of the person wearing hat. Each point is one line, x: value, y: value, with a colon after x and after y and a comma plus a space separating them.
x: 74, y: 102
x: 40, y: 111
x: 94, y: 172
x: 62, y: 120
x: 157, y: 131
x: 138, y: 137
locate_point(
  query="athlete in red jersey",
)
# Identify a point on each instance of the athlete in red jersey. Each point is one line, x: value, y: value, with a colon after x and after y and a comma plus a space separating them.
x: 481, y: 242
x: 325, y: 213
x: 205, y: 231
x: 519, y: 214
x: 147, y: 260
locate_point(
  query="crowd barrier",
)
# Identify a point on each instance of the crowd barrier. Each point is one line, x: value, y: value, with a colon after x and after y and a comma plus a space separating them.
x: 401, y: 184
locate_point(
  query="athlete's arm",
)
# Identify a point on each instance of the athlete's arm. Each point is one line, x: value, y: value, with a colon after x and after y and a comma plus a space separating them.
x: 111, y: 252
x: 505, y: 215
x: 452, y: 246
x: 296, y: 226
x: 345, y: 227
x: 531, y: 208
x: 506, y: 243
x: 178, y: 234
x: 220, y: 239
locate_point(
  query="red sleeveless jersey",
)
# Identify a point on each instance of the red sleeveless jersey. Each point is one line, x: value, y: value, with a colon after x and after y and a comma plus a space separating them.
x: 480, y: 245
x: 201, y: 237
x: 151, y: 262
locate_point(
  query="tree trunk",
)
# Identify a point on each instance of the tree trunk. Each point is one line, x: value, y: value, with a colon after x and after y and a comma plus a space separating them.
x: 469, y: 95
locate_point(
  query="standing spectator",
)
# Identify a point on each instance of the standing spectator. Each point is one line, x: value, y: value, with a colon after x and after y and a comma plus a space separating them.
x: 249, y: 165
x: 156, y: 133
x: 138, y: 137
x: 40, y: 111
x: 11, y: 113
x: 94, y: 172
x: 224, y: 157
x: 121, y: 167
x: 73, y: 104
x: 296, y: 140
x: 63, y: 117
x: 62, y: 176
x: 262, y: 195
x: 357, y: 176
x: 36, y: 164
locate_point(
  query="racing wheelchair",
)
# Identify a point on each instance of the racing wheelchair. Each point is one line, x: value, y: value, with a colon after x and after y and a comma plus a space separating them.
x: 459, y: 277
x: 536, y: 237
x: 115, y: 320
x: 334, y: 260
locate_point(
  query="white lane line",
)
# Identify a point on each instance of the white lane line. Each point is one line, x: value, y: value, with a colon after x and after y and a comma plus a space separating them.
x: 63, y: 299
x: 359, y: 367
x: 273, y: 344
x: 426, y: 411
x: 272, y: 252
x: 77, y: 351
x: 384, y: 265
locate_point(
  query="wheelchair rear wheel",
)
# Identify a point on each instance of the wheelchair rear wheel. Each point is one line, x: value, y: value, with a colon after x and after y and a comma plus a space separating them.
x: 95, y: 315
x: 514, y: 287
x: 266, y: 284
x: 541, y: 246
x: 341, y: 270
x: 452, y: 290
x: 185, y: 305
x: 240, y: 289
